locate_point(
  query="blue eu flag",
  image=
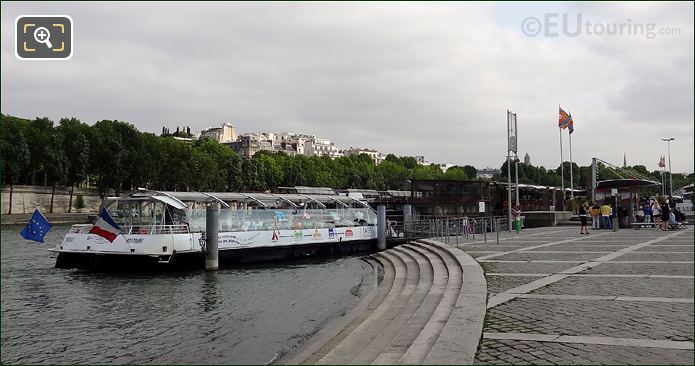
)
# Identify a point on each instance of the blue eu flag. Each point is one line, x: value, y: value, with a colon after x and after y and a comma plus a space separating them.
x: 36, y: 228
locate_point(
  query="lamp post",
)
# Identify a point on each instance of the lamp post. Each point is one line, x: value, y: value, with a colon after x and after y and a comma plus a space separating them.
x: 516, y: 179
x: 670, y: 175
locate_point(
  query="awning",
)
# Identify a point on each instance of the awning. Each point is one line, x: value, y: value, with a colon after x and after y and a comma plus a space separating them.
x: 625, y: 183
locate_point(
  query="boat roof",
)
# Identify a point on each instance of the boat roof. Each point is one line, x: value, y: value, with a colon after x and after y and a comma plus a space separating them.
x: 178, y: 199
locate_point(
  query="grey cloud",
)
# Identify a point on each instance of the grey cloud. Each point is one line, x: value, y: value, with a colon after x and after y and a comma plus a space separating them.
x: 412, y: 79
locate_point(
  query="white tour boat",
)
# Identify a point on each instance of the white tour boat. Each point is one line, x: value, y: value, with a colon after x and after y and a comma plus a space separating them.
x: 165, y: 228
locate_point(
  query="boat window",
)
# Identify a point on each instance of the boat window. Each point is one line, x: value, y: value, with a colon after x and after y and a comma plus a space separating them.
x: 136, y: 213
x: 252, y: 219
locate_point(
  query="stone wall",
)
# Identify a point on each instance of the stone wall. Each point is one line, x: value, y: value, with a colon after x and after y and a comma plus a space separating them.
x: 26, y: 198
x: 545, y: 218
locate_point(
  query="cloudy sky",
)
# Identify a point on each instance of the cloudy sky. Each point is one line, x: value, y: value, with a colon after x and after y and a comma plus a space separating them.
x: 432, y: 79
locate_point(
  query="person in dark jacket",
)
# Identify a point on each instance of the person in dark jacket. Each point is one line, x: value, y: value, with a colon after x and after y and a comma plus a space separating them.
x: 665, y: 213
x: 583, y: 217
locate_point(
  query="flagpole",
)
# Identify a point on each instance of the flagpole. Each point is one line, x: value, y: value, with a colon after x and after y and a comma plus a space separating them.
x: 663, y: 182
x: 571, y: 180
x: 562, y: 172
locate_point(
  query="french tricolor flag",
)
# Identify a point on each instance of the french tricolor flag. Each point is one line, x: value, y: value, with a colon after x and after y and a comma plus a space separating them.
x: 105, y: 226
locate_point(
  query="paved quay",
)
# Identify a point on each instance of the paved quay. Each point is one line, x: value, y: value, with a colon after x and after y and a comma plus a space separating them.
x: 558, y: 297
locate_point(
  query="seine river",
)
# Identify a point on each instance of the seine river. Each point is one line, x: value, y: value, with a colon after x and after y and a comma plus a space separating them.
x: 237, y: 315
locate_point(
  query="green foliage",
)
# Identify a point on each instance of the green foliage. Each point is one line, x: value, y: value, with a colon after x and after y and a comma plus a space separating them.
x: 76, y: 148
x: 79, y: 202
x: 118, y: 157
x: 456, y: 173
x: 471, y: 171
x: 14, y: 148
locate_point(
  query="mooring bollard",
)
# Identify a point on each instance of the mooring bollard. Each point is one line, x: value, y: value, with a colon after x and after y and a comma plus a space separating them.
x: 407, y: 219
x: 446, y: 230
x: 497, y: 229
x: 381, y: 227
x: 211, y: 228
x: 484, y: 225
x: 457, y: 231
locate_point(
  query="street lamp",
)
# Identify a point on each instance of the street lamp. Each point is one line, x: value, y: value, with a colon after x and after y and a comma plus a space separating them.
x: 670, y: 174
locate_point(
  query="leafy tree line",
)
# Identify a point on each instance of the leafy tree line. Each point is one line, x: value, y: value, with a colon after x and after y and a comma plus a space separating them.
x: 114, y: 155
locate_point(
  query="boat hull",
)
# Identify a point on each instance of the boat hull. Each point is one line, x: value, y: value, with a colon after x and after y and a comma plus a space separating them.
x: 140, y: 251
x: 195, y: 260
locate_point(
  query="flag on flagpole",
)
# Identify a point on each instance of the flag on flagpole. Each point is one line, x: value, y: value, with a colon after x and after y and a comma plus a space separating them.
x: 662, y: 161
x: 36, y: 228
x: 564, y: 119
x: 105, y: 226
x: 570, y: 125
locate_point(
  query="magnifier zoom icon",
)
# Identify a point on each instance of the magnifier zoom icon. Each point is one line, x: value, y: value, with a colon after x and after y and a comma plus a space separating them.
x: 42, y: 35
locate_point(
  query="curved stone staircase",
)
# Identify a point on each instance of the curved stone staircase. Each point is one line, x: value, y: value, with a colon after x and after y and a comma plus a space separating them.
x: 428, y: 309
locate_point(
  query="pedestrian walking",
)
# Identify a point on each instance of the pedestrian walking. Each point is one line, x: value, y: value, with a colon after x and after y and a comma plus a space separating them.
x: 583, y: 217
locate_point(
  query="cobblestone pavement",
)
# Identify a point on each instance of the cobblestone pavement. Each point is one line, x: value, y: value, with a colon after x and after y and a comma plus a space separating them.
x: 557, y: 297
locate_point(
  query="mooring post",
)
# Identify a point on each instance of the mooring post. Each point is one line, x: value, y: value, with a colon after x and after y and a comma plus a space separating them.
x: 497, y: 230
x: 446, y: 230
x: 381, y: 227
x: 457, y: 230
x: 484, y: 225
x: 407, y: 219
x: 211, y: 227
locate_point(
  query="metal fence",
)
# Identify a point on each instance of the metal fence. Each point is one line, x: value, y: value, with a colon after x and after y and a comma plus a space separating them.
x: 448, y: 229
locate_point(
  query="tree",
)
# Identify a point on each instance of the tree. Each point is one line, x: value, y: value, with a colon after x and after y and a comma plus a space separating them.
x: 56, y: 168
x: 409, y: 162
x: 79, y: 203
x: 38, y: 136
x: 390, y: 172
x: 15, y: 153
x: 575, y: 173
x: 456, y: 173
x: 471, y: 171
x: 76, y: 148
x: 271, y: 168
x: 232, y: 164
x: 428, y: 172
x: 172, y: 168
x: 252, y: 175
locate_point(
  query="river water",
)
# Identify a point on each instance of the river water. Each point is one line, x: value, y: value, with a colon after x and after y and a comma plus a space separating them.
x: 245, y: 315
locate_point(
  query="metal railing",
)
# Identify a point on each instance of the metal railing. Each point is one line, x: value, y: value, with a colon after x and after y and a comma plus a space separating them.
x: 137, y: 229
x: 447, y: 229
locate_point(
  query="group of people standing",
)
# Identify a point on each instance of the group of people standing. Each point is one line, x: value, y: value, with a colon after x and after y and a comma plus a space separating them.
x: 600, y: 217
x: 664, y: 215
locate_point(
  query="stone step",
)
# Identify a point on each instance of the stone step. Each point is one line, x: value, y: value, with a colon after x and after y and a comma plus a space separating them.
x: 406, y: 278
x: 428, y: 309
x: 404, y: 339
x: 385, y: 287
x: 404, y: 311
x: 421, y: 346
x: 459, y: 338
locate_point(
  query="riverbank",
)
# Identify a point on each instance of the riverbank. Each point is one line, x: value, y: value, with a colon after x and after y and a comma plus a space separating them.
x: 54, y: 218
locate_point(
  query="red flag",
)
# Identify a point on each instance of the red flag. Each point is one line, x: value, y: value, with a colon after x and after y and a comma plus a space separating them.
x: 564, y: 119
x: 662, y: 162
